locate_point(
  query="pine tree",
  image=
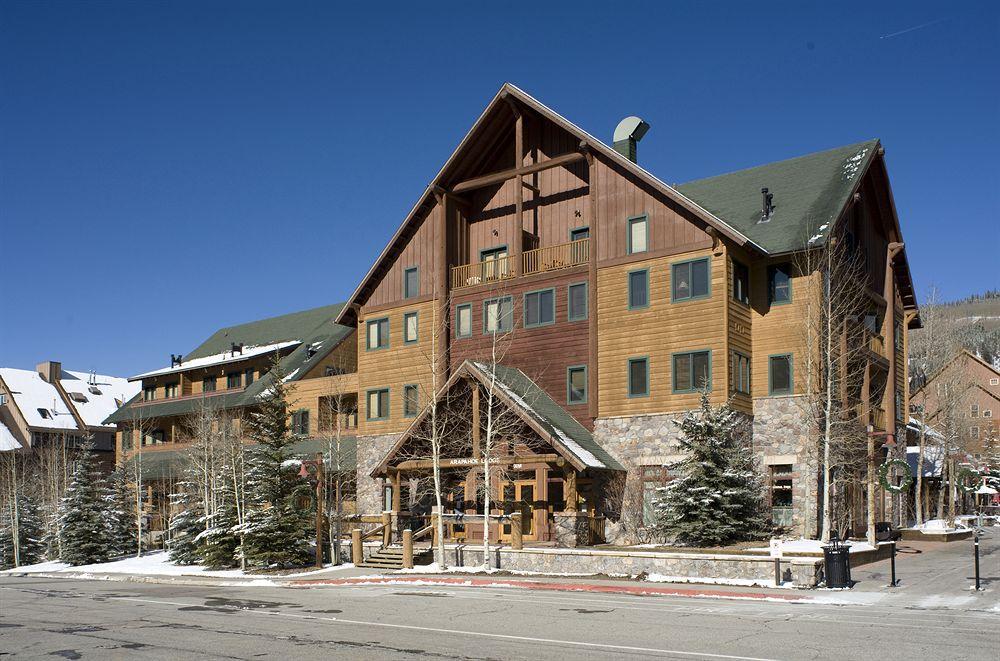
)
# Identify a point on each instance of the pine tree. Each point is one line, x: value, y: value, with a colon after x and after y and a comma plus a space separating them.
x: 122, y: 531
x: 716, y: 499
x: 218, y: 541
x: 186, y: 525
x: 30, y: 548
x: 84, y: 514
x: 276, y: 528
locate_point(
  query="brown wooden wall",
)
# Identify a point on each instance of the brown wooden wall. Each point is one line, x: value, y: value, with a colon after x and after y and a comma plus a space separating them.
x: 739, y: 322
x: 419, y: 251
x: 542, y: 353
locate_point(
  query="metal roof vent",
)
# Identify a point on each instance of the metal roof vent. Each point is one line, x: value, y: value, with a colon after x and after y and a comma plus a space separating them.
x: 766, y: 205
x: 627, y: 135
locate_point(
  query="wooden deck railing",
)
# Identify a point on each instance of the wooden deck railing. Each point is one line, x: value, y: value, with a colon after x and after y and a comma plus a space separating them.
x: 548, y: 258
x: 876, y: 344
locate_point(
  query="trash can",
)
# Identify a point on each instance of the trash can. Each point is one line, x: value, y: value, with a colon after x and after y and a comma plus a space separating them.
x: 837, y: 560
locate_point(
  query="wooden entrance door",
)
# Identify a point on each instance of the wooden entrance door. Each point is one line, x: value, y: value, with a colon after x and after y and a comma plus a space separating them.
x: 519, y: 496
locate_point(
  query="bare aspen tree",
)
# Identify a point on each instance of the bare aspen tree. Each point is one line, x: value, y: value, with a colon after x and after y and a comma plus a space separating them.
x: 338, y: 410
x: 138, y: 426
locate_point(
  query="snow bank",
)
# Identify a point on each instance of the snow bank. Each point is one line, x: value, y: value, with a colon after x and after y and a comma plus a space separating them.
x: 157, y: 563
x: 813, y: 546
x: 743, y: 582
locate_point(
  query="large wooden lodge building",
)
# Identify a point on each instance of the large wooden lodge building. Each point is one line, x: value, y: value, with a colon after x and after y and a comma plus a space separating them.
x: 612, y: 298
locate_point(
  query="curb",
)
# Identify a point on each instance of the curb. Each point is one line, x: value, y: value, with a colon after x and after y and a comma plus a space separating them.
x: 636, y: 590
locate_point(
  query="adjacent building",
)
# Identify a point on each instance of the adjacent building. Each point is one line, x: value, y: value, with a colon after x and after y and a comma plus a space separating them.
x: 53, y: 407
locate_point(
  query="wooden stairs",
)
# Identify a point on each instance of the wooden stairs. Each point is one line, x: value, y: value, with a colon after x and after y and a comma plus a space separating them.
x: 391, y: 557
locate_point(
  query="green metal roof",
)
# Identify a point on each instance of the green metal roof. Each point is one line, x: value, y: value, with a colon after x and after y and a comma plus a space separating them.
x: 315, y: 329
x: 562, y: 426
x: 809, y: 192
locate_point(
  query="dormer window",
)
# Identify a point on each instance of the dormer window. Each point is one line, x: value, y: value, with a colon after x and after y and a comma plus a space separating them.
x: 78, y: 397
x: 94, y: 390
x: 45, y: 413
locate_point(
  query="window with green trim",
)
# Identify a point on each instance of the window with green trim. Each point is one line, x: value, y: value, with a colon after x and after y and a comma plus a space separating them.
x: 576, y: 384
x: 689, y: 280
x: 410, y: 401
x: 741, y: 283
x: 411, y: 282
x: 498, y: 315
x: 779, y: 284
x: 692, y: 371
x: 638, y: 377
x: 411, y: 327
x: 539, y: 308
x: 378, y: 404
x: 378, y: 334
x: 576, y: 302
x: 638, y: 234
x: 208, y: 384
x: 463, y: 320
x: 638, y: 289
x: 300, y: 422
x: 248, y: 377
x: 234, y: 380
x: 578, y: 233
x: 779, y: 374
x: 741, y: 373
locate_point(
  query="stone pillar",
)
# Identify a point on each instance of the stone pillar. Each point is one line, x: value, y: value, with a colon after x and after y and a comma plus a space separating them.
x: 572, y: 529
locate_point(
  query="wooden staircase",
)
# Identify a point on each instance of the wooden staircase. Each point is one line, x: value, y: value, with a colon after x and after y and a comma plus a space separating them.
x: 391, y: 557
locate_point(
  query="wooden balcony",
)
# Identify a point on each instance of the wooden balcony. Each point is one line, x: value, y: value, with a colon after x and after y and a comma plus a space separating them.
x: 876, y: 417
x: 540, y: 260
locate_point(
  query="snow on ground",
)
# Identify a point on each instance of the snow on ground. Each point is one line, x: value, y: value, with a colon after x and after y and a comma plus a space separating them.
x: 813, y: 546
x: 938, y: 526
x: 743, y: 582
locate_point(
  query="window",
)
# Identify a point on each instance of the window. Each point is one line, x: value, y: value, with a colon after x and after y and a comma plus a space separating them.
x: 995, y: 382
x: 899, y: 405
x: 741, y: 283
x: 899, y: 335
x: 498, y: 315
x: 248, y: 377
x: 378, y: 404
x: 779, y: 284
x: 149, y: 393
x: 692, y: 371
x: 234, y: 380
x: 974, y: 411
x: 208, y: 384
x: 539, y: 308
x: 638, y: 289
x: 410, y: 327
x: 741, y: 373
x: 974, y: 432
x: 689, y: 280
x: 495, y: 262
x: 638, y: 234
x: 300, y: 422
x: 638, y: 377
x: 378, y: 334
x: 3, y: 398
x: 654, y: 478
x: 576, y: 301
x: 170, y: 390
x: 154, y: 437
x: 781, y: 494
x: 987, y: 413
x: 411, y: 282
x: 45, y: 414
x: 579, y: 233
x: 463, y: 320
x: 576, y: 384
x: 410, y: 401
x: 779, y: 370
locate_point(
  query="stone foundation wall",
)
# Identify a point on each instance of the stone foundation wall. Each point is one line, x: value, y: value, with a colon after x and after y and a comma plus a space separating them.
x: 692, y: 567
x: 783, y: 433
x: 371, y: 450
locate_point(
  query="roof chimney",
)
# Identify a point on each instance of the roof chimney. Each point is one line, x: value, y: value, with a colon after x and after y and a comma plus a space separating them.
x: 627, y: 134
x: 50, y: 370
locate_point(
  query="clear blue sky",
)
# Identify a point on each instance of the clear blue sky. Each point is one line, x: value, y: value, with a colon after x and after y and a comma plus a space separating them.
x: 168, y: 168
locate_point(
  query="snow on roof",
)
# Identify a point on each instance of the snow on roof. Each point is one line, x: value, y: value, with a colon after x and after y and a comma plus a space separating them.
x: 37, y: 400
x: 914, y: 425
x: 218, y: 359
x: 94, y: 395
x: 7, y: 440
x: 933, y: 459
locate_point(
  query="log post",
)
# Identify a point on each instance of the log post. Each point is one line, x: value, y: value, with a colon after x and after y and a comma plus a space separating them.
x: 592, y: 347
x: 516, y: 531
x: 571, y: 493
x: 386, y: 529
x: 407, y: 549
x: 357, y: 551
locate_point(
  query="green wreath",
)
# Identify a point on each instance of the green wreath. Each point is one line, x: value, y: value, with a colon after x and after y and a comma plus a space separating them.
x: 883, y: 476
x: 966, y: 480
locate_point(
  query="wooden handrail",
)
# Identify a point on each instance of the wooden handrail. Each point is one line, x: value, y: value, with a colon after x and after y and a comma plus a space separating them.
x: 423, y: 531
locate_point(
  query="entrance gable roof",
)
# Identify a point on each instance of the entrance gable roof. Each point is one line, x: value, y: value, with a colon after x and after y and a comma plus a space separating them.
x: 551, y: 422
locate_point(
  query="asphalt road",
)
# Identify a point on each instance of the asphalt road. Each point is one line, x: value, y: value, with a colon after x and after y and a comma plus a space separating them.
x: 75, y: 619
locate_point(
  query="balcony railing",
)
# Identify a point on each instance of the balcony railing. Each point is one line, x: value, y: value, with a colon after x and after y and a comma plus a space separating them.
x: 549, y: 258
x: 876, y: 344
x: 876, y: 417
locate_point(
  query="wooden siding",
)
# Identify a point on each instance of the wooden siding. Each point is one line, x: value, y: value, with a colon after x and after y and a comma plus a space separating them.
x: 778, y: 329
x: 543, y: 353
x: 344, y: 358
x: 419, y: 252
x: 658, y: 331
x: 620, y: 197
x: 306, y: 394
x: 398, y: 365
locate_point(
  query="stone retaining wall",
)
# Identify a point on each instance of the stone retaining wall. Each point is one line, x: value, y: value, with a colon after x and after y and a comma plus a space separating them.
x: 695, y: 567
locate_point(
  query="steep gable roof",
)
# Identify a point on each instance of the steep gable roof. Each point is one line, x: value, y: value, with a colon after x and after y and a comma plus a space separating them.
x: 809, y: 194
x: 440, y: 180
